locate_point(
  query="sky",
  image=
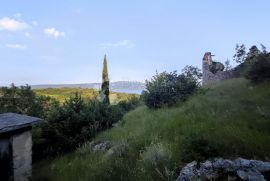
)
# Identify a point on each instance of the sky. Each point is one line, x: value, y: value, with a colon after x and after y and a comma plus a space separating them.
x: 64, y: 41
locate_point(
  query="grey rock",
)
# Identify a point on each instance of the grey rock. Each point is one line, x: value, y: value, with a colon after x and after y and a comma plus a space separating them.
x: 206, y: 170
x: 102, y: 146
x: 117, y: 150
x: 189, y: 172
x: 250, y: 175
x: 220, y: 169
x: 221, y: 164
x: 241, y: 163
x: 260, y: 165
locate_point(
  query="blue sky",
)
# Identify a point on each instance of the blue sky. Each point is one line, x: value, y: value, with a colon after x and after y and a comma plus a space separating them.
x: 64, y: 41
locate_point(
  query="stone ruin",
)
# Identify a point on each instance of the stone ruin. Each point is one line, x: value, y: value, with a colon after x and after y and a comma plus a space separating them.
x: 214, y: 71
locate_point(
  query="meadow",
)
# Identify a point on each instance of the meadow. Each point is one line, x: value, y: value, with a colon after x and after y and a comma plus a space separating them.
x: 61, y: 94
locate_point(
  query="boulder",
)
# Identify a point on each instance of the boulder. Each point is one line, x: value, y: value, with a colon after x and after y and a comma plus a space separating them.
x: 220, y: 169
x: 102, y: 146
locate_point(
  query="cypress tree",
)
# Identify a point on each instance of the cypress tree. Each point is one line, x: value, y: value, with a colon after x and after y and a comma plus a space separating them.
x: 105, y: 91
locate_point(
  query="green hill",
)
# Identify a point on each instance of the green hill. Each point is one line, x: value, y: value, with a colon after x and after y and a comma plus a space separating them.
x: 228, y: 119
x: 61, y: 94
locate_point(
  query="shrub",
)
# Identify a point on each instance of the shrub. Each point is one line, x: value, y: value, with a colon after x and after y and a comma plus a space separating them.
x: 259, y: 70
x: 76, y: 121
x: 23, y: 100
x: 66, y: 125
x: 166, y: 89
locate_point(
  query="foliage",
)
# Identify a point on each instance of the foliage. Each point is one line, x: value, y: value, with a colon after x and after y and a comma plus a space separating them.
x: 65, y: 125
x: 253, y: 51
x: 240, y: 54
x: 247, y: 59
x: 259, y: 71
x: 23, y: 100
x: 105, y: 86
x: 231, y: 117
x: 75, y: 122
x: 193, y: 73
x: 166, y: 89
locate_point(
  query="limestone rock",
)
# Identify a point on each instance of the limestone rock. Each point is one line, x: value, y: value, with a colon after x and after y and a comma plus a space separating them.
x: 220, y: 169
x: 102, y: 146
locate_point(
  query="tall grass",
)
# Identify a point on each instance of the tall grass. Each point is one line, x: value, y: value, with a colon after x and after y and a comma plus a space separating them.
x: 231, y: 118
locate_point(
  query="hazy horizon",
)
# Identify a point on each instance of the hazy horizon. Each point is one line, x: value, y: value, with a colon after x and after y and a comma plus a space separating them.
x: 64, y: 42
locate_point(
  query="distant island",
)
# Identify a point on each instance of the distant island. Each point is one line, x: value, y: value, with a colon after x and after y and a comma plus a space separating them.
x: 133, y: 87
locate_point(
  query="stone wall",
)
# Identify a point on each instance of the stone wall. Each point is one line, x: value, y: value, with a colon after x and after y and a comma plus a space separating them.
x: 5, y: 159
x: 209, y: 77
x: 22, y: 155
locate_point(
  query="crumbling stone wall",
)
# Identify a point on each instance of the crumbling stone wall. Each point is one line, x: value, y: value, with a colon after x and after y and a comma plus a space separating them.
x: 208, y: 76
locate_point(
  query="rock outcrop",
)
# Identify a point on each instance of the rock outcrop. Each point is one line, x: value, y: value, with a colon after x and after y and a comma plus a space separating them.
x: 213, y: 71
x: 222, y: 169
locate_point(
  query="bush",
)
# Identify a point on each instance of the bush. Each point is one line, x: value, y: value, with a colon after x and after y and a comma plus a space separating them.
x: 66, y: 125
x: 76, y: 121
x: 23, y: 100
x: 166, y: 89
x: 259, y: 70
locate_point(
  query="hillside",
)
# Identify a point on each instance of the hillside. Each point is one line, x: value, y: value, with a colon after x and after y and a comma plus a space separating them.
x: 61, y: 94
x: 229, y: 119
x: 132, y: 87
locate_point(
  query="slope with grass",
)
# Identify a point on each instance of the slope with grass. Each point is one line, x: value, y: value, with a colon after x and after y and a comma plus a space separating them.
x: 228, y: 119
x: 61, y: 94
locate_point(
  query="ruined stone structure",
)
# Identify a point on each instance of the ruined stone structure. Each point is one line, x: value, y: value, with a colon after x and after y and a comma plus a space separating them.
x: 214, y: 71
x: 16, y: 146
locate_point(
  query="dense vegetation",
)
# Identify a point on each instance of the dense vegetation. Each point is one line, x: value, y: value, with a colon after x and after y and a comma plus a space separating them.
x: 166, y: 89
x: 22, y: 100
x: 229, y: 119
x: 259, y: 70
x: 65, y: 125
x: 75, y: 122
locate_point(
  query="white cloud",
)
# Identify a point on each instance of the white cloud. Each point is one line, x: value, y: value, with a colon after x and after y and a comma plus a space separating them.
x: 52, y: 32
x: 16, y: 46
x: 10, y: 24
x: 123, y: 43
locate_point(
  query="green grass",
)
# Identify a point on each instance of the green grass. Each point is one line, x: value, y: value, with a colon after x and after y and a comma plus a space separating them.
x: 233, y: 116
x: 61, y: 94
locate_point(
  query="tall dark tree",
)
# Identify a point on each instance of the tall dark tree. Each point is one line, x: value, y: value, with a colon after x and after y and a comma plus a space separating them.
x: 105, y: 91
